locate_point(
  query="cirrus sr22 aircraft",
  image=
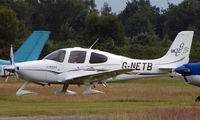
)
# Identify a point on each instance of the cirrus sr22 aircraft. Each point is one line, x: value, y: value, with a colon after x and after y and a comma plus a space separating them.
x: 88, y: 66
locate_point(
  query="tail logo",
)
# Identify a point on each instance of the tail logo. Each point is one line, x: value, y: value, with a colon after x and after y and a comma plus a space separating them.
x: 180, y: 50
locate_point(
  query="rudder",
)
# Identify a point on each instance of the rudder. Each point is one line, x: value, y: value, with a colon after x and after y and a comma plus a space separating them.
x: 179, y: 51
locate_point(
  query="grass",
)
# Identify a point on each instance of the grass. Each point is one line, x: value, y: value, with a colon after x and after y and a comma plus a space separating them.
x: 153, y: 98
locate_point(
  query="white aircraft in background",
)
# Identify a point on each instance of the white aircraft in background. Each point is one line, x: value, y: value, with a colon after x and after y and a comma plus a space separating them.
x: 88, y: 66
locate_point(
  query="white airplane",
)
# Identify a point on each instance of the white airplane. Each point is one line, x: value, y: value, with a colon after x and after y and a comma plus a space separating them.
x: 88, y: 66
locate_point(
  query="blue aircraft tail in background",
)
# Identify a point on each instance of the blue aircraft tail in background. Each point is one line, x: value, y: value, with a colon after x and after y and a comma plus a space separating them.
x: 30, y: 50
x: 32, y: 47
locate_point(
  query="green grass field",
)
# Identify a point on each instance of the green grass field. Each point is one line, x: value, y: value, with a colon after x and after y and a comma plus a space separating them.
x: 154, y: 99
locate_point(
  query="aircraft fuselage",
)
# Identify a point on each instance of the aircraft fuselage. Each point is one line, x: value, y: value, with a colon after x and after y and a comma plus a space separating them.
x: 55, y: 71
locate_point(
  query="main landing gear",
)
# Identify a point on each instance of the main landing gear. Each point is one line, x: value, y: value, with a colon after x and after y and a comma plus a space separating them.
x: 64, y: 90
x: 88, y: 89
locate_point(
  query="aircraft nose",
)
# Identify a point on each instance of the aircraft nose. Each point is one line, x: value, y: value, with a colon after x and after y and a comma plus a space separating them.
x: 182, y: 70
x: 31, y: 70
x: 179, y: 69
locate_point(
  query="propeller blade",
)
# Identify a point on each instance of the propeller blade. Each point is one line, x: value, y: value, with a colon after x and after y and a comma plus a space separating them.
x: 16, y: 74
x: 11, y: 68
x: 11, y: 55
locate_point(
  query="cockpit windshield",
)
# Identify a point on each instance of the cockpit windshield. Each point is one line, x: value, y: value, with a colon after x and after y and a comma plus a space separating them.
x: 58, y: 56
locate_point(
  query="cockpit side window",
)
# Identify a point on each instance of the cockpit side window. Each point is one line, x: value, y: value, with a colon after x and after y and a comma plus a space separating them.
x: 77, y: 57
x: 58, y: 56
x: 97, y: 58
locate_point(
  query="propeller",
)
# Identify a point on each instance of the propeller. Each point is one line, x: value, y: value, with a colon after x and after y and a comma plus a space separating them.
x: 11, y: 55
x: 182, y: 70
x: 185, y: 70
x: 11, y: 68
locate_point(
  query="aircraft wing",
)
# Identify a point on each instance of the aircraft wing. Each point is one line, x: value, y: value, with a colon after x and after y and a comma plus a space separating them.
x: 32, y: 47
x: 95, y: 75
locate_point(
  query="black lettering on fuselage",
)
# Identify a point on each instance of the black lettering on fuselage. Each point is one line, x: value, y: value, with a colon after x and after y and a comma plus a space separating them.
x: 124, y: 65
x: 144, y: 64
x: 133, y: 65
x: 149, y: 66
x: 137, y: 66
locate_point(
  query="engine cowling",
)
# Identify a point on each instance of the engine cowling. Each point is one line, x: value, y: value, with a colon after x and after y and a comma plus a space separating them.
x: 190, y: 72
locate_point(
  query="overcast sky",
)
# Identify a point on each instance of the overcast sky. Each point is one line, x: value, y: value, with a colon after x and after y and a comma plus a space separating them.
x: 119, y: 5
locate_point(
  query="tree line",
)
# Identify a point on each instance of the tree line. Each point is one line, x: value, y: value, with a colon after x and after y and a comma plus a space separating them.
x: 139, y: 31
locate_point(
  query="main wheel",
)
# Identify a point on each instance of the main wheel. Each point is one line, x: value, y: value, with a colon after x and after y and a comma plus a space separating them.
x: 197, y: 99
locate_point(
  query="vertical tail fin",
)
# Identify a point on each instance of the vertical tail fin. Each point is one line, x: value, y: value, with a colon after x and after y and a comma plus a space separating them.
x: 32, y: 47
x: 178, y: 54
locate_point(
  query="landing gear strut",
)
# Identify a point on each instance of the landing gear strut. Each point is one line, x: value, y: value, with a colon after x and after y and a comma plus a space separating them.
x: 64, y: 90
x: 88, y: 89
x: 21, y: 90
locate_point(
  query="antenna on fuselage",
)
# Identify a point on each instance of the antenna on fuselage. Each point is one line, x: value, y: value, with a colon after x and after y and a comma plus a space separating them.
x: 94, y: 43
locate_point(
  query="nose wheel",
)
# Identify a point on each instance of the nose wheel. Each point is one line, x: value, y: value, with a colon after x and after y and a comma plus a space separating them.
x: 21, y: 90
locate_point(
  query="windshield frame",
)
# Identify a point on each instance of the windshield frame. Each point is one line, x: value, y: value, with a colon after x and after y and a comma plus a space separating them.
x: 58, y: 56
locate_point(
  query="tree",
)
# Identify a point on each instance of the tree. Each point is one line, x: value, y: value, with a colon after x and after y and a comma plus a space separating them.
x: 145, y: 39
x: 8, y: 29
x: 166, y: 41
x: 139, y: 17
x: 178, y: 18
x: 24, y: 12
x: 66, y: 32
x: 106, y: 10
x: 107, y: 28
